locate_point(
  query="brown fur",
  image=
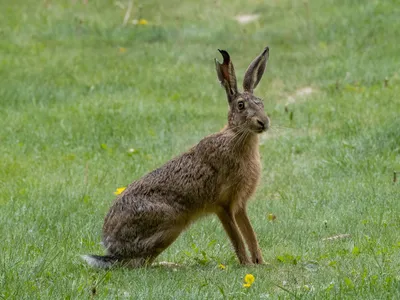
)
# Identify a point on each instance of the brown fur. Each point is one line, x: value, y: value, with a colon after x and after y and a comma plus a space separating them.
x: 218, y: 175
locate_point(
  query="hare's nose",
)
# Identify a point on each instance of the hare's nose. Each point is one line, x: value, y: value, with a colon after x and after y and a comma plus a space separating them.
x: 261, y: 123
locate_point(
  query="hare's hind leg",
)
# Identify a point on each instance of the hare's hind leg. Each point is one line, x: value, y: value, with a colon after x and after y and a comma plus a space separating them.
x: 249, y: 235
x: 165, y: 238
x: 147, y: 249
x: 154, y: 245
x: 227, y: 219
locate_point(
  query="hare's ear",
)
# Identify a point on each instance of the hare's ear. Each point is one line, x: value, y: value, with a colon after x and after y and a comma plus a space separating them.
x: 255, y: 71
x: 226, y: 75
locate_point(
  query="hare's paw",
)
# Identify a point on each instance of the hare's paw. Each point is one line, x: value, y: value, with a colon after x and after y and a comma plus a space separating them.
x: 245, y: 261
x: 258, y: 260
x: 256, y: 256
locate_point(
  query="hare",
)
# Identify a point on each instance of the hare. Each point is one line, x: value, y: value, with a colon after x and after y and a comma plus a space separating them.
x: 216, y: 176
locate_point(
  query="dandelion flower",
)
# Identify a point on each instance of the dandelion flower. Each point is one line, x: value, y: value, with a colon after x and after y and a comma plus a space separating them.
x: 143, y: 22
x: 119, y: 190
x: 249, y: 280
x: 122, y: 50
x: 222, y: 267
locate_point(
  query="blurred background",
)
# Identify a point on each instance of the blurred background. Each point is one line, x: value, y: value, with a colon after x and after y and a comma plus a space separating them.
x: 94, y: 94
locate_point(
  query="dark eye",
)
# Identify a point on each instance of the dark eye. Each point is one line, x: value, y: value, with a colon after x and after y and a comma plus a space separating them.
x: 240, y: 105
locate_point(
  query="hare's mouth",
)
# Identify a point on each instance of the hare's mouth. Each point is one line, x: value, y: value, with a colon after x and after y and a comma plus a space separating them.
x: 260, y: 130
x: 260, y: 126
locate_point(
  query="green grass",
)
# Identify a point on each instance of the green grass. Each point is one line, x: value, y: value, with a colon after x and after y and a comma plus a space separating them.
x: 78, y: 90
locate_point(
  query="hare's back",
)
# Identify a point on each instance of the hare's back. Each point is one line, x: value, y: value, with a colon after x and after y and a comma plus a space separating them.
x: 185, y: 181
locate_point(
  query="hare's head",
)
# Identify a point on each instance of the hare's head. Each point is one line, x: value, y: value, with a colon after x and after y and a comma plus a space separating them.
x: 246, y: 111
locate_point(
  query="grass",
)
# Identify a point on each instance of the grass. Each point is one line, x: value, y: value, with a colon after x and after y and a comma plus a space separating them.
x: 78, y: 90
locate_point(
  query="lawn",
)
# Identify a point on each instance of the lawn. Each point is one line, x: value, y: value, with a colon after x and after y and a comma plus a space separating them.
x: 90, y: 101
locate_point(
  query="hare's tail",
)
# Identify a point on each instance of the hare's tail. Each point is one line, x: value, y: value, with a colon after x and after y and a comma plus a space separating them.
x: 98, y: 261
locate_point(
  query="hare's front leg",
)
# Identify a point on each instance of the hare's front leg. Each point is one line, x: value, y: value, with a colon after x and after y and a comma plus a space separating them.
x: 249, y: 235
x: 227, y: 219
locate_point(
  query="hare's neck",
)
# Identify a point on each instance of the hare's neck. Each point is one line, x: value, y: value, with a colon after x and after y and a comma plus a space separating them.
x: 245, y: 143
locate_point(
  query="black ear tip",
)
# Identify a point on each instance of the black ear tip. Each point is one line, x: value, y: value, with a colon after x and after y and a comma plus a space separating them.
x: 266, y: 50
x: 225, y: 55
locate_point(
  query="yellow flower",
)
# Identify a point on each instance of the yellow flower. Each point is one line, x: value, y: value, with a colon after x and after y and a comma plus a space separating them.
x: 122, y: 50
x: 221, y: 266
x: 119, y: 190
x: 249, y: 280
x: 143, y: 22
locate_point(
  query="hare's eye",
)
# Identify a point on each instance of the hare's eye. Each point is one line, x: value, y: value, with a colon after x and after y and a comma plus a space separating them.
x: 240, y: 105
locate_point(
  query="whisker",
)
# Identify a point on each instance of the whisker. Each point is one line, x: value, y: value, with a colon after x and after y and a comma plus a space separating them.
x: 280, y: 126
x: 276, y: 129
x: 236, y: 134
x: 241, y: 138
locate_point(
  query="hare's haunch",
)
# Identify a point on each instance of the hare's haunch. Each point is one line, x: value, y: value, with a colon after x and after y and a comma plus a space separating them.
x: 218, y: 176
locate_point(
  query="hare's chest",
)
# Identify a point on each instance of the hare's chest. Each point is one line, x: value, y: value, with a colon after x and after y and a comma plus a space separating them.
x: 240, y: 185
x: 248, y: 183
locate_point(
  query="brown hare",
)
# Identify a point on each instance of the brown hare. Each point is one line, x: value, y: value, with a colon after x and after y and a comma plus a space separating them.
x: 218, y: 175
